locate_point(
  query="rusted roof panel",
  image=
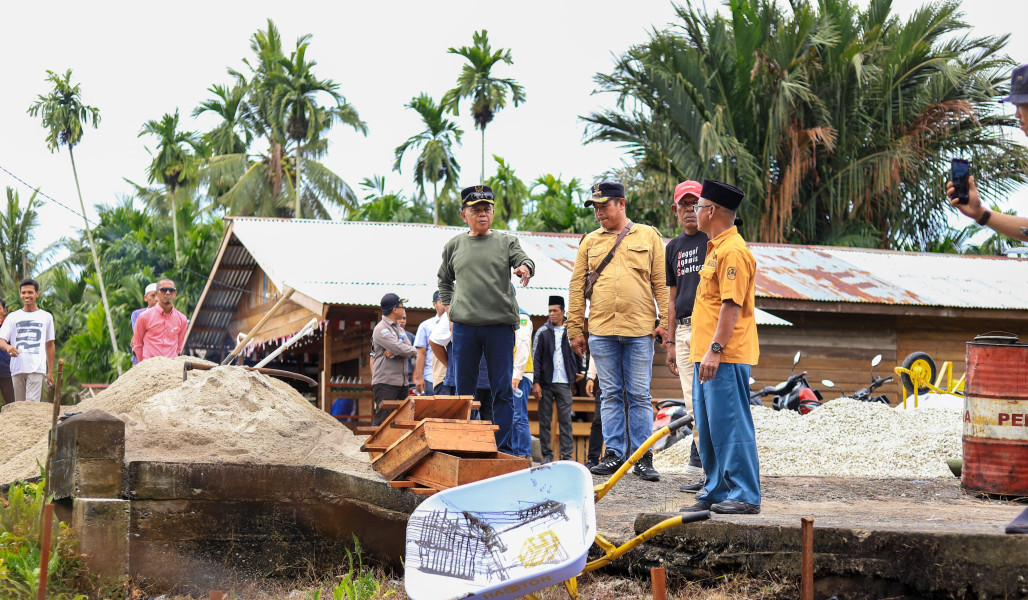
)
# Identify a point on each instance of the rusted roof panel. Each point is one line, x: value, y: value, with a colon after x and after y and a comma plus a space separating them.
x: 829, y: 274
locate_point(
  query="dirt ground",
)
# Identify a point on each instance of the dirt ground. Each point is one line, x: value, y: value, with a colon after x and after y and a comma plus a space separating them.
x: 937, y: 505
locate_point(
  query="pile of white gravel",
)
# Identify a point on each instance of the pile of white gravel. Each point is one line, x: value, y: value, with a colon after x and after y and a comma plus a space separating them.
x: 847, y: 438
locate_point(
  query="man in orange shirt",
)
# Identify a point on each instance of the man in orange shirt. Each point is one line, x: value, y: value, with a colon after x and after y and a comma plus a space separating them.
x: 723, y: 348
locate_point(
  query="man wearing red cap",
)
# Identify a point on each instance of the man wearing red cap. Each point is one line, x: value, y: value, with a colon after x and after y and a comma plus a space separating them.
x: 684, y: 257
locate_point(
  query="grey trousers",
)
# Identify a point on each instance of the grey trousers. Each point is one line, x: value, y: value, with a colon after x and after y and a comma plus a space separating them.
x: 559, y: 394
x: 28, y: 386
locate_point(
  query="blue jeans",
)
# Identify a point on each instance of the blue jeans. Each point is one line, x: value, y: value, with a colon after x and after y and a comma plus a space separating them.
x: 496, y: 343
x: 727, y: 445
x: 522, y: 432
x: 624, y: 365
x: 429, y: 389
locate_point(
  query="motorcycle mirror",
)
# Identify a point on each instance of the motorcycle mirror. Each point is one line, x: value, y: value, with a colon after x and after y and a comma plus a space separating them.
x: 828, y: 383
x: 876, y: 360
x: 752, y: 381
x: 796, y: 359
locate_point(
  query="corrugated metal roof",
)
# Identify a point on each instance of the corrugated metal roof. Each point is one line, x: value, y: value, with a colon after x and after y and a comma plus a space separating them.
x: 355, y: 263
x: 831, y: 274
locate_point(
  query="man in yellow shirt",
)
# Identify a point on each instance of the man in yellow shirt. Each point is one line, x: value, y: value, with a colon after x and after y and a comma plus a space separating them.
x: 622, y: 313
x: 724, y: 347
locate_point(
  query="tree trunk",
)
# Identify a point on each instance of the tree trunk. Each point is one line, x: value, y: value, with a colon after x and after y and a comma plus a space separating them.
x: 174, y: 222
x: 96, y: 260
x: 296, y: 183
x: 435, y: 203
x: 482, y: 178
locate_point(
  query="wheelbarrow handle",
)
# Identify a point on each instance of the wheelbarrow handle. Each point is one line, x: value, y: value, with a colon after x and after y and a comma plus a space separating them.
x: 692, y: 517
x: 680, y: 423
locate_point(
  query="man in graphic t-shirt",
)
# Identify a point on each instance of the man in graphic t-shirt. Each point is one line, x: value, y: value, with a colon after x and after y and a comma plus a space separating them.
x: 28, y: 336
x: 684, y: 255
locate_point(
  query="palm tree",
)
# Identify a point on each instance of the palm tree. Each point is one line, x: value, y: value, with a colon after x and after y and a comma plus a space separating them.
x: 488, y: 94
x: 63, y: 113
x: 262, y: 183
x: 389, y: 207
x: 295, y: 94
x: 837, y: 122
x: 509, y: 191
x: 436, y: 161
x: 231, y: 135
x: 17, y: 226
x: 557, y: 207
x: 173, y: 164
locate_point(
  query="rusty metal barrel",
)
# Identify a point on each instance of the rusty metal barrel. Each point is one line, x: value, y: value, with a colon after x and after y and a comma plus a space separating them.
x: 996, y: 419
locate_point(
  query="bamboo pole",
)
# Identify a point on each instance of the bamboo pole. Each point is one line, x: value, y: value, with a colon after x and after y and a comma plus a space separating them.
x: 53, y: 425
x: 249, y: 336
x: 44, y: 556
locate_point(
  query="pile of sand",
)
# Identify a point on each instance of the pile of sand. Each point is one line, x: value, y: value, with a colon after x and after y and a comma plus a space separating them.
x: 226, y: 414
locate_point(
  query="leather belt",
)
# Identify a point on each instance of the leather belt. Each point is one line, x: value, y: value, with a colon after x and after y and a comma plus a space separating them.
x: 684, y: 321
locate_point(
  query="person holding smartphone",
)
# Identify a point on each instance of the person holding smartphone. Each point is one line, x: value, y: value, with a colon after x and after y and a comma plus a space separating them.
x: 1009, y: 225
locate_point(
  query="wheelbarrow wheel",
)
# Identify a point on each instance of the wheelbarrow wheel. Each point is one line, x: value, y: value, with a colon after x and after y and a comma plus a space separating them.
x: 924, y: 370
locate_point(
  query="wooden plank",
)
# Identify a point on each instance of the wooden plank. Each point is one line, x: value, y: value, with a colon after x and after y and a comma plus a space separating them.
x: 405, y: 424
x: 375, y: 448
x: 402, y: 484
x: 423, y: 491
x: 443, y: 470
x: 392, y: 404
x: 443, y: 407
x: 385, y: 435
x: 466, y: 437
x: 365, y: 430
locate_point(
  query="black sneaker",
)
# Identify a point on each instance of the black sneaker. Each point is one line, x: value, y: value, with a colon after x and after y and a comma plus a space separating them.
x: 609, y: 464
x: 644, y: 468
x: 589, y: 464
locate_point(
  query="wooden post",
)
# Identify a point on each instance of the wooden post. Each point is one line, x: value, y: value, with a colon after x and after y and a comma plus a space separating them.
x: 44, y: 555
x: 807, y: 565
x: 658, y: 578
x: 326, y: 365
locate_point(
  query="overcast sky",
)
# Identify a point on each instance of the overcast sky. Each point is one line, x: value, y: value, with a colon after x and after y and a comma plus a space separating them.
x: 138, y: 60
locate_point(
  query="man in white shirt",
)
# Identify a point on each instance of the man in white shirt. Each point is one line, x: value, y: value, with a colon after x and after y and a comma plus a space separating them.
x: 556, y: 368
x: 28, y: 336
x: 424, y: 383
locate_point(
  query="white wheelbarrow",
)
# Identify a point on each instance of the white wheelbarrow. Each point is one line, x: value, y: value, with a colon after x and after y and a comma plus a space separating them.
x: 508, y: 536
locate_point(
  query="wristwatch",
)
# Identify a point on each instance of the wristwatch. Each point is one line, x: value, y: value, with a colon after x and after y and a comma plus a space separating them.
x: 716, y: 348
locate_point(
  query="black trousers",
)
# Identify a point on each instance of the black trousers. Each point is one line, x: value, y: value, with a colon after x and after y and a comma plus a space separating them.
x: 596, y: 432
x: 384, y: 391
x: 558, y: 394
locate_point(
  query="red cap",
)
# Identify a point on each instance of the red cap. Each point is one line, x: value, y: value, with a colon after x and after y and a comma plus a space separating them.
x: 690, y: 188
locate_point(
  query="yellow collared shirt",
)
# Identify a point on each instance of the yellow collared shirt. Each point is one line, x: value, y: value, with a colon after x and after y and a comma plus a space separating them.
x: 729, y: 273
x: 626, y: 296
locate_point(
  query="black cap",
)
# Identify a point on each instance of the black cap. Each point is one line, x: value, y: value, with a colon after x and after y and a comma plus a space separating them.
x: 476, y: 194
x: 557, y: 301
x: 391, y: 301
x: 604, y: 191
x: 435, y: 296
x: 722, y: 194
x: 1018, y: 86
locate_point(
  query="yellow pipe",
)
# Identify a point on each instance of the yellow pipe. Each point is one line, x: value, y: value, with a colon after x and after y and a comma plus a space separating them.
x: 618, y: 552
x: 601, y: 490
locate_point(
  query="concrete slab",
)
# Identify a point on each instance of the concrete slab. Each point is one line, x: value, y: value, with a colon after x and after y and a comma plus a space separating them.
x: 872, y: 538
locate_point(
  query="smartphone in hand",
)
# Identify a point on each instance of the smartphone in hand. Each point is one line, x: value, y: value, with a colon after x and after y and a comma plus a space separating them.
x: 959, y: 171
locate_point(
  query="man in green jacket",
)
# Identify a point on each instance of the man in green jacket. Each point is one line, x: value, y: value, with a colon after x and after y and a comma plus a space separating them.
x: 483, y: 308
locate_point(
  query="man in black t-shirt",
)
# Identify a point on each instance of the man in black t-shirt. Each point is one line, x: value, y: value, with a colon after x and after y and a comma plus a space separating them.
x: 684, y: 256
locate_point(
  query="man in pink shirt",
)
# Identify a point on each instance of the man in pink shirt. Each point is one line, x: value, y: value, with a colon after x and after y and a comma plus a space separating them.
x: 160, y: 330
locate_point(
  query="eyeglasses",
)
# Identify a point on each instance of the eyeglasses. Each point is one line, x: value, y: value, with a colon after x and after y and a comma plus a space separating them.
x: 167, y: 290
x: 687, y: 207
x: 699, y: 206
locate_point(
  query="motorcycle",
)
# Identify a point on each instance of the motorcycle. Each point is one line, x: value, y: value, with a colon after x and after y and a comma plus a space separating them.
x: 669, y: 411
x: 864, y: 395
x: 794, y: 393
